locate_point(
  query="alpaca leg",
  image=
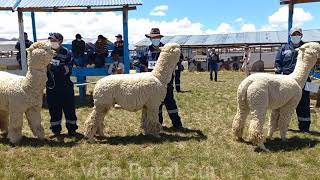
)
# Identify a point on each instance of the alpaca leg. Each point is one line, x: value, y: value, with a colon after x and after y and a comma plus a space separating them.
x: 151, y: 125
x: 239, y: 120
x: 34, y: 120
x: 94, y: 120
x: 144, y: 117
x: 4, y: 122
x: 100, y: 125
x: 15, y: 126
x: 256, y: 127
x: 285, y: 118
x: 273, y: 122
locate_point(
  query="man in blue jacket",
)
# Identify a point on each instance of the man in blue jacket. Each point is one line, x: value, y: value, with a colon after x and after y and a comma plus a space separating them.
x: 60, y: 93
x: 147, y: 63
x: 285, y: 63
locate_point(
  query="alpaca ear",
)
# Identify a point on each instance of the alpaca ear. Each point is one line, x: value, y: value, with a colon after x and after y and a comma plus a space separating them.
x: 301, y: 49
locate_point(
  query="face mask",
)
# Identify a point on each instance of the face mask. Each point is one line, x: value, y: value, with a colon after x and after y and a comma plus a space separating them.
x: 296, y: 39
x: 55, y: 45
x: 78, y: 39
x: 155, y: 42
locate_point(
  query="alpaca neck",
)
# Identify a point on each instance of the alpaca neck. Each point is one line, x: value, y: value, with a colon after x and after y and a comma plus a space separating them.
x: 34, y: 81
x: 164, y: 69
x: 301, y: 73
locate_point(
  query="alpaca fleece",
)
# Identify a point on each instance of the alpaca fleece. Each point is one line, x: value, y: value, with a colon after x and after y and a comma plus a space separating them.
x: 133, y: 92
x: 19, y: 94
x: 280, y: 93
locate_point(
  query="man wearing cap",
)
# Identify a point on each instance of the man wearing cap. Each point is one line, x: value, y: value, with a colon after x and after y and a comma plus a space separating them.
x: 147, y: 63
x: 78, y: 49
x: 28, y: 43
x: 285, y: 63
x: 60, y: 93
x: 118, y: 47
x: 213, y: 60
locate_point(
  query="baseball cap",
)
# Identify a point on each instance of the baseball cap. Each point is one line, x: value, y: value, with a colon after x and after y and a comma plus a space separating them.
x: 295, y: 29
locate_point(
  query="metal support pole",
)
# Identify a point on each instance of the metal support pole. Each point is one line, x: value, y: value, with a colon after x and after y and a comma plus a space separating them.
x: 126, y: 42
x: 22, y: 43
x: 34, y: 30
x: 290, y: 17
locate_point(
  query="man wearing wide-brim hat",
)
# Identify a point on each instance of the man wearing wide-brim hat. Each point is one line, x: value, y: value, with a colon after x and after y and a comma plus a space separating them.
x: 285, y: 63
x: 147, y: 63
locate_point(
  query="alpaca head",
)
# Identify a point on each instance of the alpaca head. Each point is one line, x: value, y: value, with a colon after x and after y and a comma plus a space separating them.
x: 167, y: 61
x: 309, y: 53
x: 39, y: 55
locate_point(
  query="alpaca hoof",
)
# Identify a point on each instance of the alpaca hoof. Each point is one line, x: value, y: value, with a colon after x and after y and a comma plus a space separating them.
x: 40, y: 134
x: 91, y: 140
x: 14, y: 139
x: 263, y: 148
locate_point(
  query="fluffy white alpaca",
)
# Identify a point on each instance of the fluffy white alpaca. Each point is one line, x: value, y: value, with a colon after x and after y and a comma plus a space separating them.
x: 19, y: 94
x: 281, y: 93
x: 133, y: 92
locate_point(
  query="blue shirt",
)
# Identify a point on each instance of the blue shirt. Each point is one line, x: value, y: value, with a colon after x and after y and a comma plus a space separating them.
x: 286, y: 59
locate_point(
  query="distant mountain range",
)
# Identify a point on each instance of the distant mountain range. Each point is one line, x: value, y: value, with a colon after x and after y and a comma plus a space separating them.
x: 13, y: 39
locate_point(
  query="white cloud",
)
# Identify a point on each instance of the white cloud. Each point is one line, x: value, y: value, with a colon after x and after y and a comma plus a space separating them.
x: 223, y: 28
x: 90, y: 25
x: 248, y: 28
x: 240, y: 19
x: 279, y: 19
x: 159, y: 10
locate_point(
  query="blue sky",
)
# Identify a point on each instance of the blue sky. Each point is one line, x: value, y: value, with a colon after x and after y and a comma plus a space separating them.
x: 173, y: 17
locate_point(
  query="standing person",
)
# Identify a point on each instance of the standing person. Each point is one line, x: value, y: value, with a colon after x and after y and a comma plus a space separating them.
x: 101, y: 51
x: 213, y: 60
x: 17, y: 47
x: 178, y: 74
x: 147, y: 64
x: 60, y: 93
x: 118, y: 47
x: 78, y: 49
x: 285, y: 63
x: 246, y: 60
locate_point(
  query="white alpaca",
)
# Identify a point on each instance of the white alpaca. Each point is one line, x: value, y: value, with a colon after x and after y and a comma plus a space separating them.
x: 19, y: 94
x: 133, y: 92
x: 281, y: 93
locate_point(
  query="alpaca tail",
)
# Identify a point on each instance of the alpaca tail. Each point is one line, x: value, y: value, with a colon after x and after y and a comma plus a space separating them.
x: 242, y: 90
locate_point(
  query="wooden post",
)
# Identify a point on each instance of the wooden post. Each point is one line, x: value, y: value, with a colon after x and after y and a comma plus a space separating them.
x: 126, y: 42
x: 22, y: 43
x: 290, y: 17
x: 34, y: 30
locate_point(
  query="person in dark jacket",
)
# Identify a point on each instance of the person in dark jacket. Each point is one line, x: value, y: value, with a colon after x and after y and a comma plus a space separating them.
x: 285, y: 63
x: 59, y: 88
x: 78, y: 49
x: 118, y: 47
x: 101, y: 51
x: 28, y: 43
x: 147, y: 63
x: 177, y: 74
x: 213, y: 60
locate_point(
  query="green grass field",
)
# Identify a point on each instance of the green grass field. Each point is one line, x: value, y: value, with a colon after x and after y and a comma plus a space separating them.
x: 204, y: 151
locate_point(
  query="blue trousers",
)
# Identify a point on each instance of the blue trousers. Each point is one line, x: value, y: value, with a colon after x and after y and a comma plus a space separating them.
x: 213, y: 67
x: 61, y: 100
x: 171, y: 107
x: 303, y: 111
x: 177, y: 80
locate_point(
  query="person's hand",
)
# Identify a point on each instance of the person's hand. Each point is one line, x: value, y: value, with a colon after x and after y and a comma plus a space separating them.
x: 66, y: 68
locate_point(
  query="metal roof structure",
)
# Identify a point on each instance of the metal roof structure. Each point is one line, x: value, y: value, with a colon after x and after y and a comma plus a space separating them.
x: 235, y: 39
x: 8, y: 4
x: 67, y: 5
x: 297, y: 1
